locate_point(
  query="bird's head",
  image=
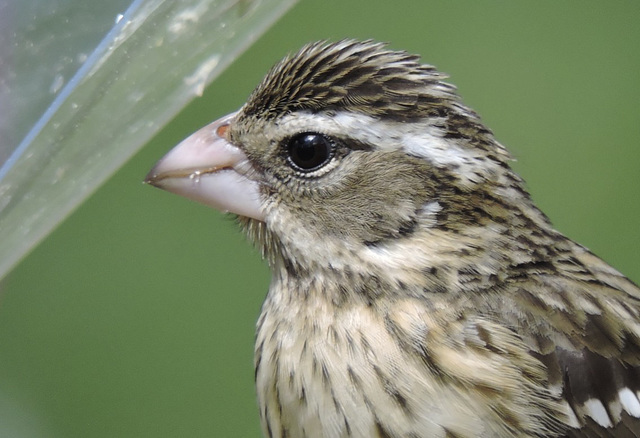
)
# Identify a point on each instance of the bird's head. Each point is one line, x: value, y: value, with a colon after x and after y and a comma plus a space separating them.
x: 348, y: 147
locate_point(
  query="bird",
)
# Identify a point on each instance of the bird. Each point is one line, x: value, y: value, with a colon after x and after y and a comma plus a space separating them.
x: 417, y: 290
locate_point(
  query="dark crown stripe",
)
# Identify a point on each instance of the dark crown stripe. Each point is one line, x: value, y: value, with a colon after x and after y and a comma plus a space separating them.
x: 357, y: 76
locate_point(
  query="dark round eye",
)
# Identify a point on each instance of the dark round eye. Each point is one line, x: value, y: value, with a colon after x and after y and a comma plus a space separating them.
x: 309, y: 151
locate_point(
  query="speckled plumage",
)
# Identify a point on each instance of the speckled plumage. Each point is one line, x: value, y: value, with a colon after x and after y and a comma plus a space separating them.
x: 417, y: 290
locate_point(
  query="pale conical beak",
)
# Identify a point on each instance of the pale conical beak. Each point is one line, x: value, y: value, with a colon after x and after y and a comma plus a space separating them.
x: 206, y: 168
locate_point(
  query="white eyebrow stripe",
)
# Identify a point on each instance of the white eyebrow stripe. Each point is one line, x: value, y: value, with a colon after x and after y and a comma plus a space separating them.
x: 424, y: 140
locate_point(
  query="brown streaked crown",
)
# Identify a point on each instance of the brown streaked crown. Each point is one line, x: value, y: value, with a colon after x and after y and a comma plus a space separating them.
x: 366, y: 78
x: 358, y: 76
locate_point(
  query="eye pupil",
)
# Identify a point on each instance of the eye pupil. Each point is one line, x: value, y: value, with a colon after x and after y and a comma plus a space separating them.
x: 309, y: 151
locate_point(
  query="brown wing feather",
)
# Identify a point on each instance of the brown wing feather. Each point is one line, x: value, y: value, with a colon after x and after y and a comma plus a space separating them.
x: 587, y: 333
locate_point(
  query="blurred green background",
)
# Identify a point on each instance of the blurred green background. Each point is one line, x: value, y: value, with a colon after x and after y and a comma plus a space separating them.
x: 135, y: 318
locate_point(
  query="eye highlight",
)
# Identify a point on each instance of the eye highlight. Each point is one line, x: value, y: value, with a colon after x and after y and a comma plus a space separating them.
x: 309, y: 151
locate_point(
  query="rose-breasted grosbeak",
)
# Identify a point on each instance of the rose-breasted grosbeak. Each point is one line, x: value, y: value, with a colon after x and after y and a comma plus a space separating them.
x: 417, y: 290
